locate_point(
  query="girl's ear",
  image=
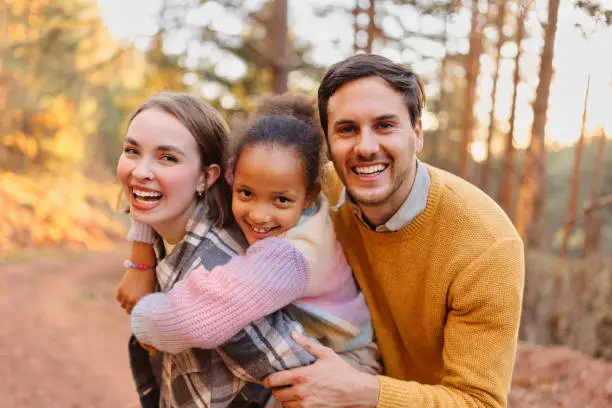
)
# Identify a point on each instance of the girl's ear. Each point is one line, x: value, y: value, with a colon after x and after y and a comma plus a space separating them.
x: 208, y: 177
x: 312, y: 196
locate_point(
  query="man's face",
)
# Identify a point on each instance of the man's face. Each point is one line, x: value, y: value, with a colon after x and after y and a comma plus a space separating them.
x: 373, y: 145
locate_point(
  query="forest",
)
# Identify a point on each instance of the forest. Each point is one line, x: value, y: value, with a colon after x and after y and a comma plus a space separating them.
x: 519, y: 95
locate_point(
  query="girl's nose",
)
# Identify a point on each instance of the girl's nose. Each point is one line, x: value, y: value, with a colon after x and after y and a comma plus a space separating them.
x: 259, y: 217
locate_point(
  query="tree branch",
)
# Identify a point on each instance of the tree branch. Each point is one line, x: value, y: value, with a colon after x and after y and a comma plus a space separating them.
x: 599, y: 203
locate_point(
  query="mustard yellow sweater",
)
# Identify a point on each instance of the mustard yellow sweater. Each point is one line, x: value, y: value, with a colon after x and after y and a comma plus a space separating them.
x: 445, y: 295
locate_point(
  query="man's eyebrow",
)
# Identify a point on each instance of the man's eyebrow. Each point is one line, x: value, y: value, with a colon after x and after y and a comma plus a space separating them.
x: 131, y: 141
x: 386, y: 116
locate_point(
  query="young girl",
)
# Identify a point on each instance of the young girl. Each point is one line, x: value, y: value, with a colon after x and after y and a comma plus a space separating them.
x: 294, y: 257
x: 174, y: 154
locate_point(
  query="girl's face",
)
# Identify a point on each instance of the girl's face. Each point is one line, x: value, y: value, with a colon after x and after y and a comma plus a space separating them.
x: 269, y: 191
x: 160, y: 171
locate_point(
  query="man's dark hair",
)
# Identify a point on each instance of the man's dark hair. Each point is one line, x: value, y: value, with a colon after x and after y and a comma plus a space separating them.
x: 400, y: 78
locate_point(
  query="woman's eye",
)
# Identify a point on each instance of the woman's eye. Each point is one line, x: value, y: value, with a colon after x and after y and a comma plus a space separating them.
x: 170, y: 159
x: 346, y: 129
x: 129, y: 150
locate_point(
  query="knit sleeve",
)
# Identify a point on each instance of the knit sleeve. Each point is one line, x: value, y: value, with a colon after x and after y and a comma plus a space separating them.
x: 206, y: 309
x: 480, y: 336
x: 140, y: 232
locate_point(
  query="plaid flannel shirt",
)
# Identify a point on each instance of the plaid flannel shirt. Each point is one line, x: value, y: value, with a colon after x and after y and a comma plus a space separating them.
x: 214, y: 378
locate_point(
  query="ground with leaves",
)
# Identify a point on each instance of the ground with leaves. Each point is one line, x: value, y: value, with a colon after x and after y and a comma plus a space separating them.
x: 64, y: 343
x: 40, y: 211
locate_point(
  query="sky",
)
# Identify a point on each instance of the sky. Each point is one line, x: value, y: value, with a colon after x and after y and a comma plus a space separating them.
x: 576, y: 56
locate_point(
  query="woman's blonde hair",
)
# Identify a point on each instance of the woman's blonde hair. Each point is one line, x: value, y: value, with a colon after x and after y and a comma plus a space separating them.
x: 211, y: 134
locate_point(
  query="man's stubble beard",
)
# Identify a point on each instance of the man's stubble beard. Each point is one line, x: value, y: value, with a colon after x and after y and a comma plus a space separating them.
x: 379, y: 201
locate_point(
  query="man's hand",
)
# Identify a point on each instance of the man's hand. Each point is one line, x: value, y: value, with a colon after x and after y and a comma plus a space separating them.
x: 133, y: 286
x: 329, y: 382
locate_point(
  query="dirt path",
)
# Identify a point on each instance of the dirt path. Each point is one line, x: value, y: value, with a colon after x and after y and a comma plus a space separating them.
x: 63, y: 338
x: 63, y: 344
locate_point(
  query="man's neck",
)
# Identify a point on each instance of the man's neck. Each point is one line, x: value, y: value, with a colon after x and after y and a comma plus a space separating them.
x: 377, y: 215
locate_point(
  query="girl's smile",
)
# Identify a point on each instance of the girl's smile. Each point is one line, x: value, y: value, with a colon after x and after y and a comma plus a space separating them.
x: 269, y: 191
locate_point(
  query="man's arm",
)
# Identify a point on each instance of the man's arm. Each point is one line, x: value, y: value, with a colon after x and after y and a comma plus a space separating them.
x: 206, y: 309
x: 480, y: 339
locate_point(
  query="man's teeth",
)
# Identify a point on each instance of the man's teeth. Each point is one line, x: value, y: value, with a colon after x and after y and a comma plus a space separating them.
x: 368, y: 170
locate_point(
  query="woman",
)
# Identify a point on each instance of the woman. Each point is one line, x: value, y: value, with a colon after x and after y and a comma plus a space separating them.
x: 174, y: 153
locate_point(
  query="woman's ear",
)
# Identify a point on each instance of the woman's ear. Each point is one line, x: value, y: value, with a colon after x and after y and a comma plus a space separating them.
x: 208, y: 177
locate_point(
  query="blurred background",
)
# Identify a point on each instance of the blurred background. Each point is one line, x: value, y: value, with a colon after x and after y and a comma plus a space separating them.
x: 519, y: 103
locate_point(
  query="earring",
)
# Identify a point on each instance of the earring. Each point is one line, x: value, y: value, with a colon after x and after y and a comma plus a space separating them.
x: 200, y: 191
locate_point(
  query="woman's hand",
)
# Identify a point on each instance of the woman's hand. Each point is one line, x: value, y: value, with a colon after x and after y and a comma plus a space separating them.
x: 135, y: 284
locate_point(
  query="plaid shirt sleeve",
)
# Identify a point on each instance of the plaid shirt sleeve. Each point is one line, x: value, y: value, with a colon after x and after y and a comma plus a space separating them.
x: 265, y: 347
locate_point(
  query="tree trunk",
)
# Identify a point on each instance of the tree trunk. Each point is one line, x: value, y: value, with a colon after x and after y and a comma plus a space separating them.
x: 280, y: 45
x: 371, y: 31
x: 508, y: 175
x: 592, y: 221
x: 574, y: 192
x: 472, y: 68
x: 531, y: 221
x: 436, y: 142
x: 558, y: 319
x: 486, y: 169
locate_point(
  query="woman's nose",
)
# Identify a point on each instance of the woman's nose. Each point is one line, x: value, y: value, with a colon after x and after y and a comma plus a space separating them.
x: 143, y: 170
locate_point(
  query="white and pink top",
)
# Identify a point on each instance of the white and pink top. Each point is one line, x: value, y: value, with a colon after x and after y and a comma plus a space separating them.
x: 305, y: 271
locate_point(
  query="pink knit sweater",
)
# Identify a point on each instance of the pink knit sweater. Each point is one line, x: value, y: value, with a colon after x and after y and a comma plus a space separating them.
x: 307, y: 268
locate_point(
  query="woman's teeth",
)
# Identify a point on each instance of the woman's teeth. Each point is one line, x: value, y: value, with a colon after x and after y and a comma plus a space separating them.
x: 146, y: 196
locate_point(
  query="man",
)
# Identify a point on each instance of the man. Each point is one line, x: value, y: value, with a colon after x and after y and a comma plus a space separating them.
x: 440, y: 265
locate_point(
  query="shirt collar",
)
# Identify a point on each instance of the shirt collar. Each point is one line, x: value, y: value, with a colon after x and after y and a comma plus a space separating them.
x: 410, y: 209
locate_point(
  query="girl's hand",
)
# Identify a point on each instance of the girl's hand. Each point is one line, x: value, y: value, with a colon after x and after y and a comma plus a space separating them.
x: 135, y: 284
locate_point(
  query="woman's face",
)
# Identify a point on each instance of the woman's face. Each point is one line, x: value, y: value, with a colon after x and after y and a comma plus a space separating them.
x: 160, y: 171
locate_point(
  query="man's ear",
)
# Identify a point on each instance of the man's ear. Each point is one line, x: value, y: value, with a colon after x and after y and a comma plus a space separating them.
x: 418, y: 133
x: 208, y: 177
x: 312, y: 196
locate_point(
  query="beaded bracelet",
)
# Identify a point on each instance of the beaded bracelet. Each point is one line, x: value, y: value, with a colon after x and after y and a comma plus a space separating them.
x: 129, y: 264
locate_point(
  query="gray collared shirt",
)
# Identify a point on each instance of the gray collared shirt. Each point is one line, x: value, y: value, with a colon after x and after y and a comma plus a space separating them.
x: 412, y: 207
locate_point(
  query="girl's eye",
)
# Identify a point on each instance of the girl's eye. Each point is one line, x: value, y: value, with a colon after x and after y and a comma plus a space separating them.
x: 245, y: 193
x: 167, y: 158
x: 283, y: 200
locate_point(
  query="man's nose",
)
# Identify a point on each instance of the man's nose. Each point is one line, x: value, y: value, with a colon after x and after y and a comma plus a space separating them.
x: 367, y: 144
